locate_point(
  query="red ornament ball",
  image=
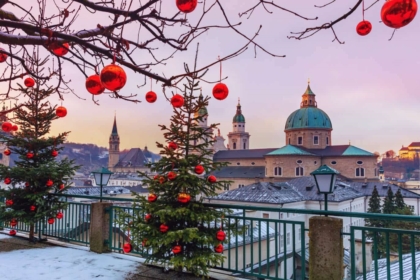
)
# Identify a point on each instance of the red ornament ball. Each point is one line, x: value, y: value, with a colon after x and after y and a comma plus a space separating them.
x: 59, y: 49
x: 61, y: 187
x: 49, y: 183
x: 220, y: 235
x: 184, y: 198
x: 186, y: 6
x: 3, y: 56
x: 398, y: 13
x: 51, y: 221
x: 7, y: 152
x: 151, y: 97
x: 199, y: 169
x: 364, y: 28
x: 32, y: 208
x: 59, y: 215
x: 29, y: 82
x: 9, y: 202
x: 61, y: 111
x: 156, y: 177
x: 54, y: 153
x: 15, y: 127
x: 12, y: 232
x: 7, y: 181
x: 29, y: 155
x: 113, y: 77
x: 163, y: 228
x: 177, y: 101
x: 6, y: 126
x: 147, y: 217
x: 144, y: 242
x: 218, y: 248
x: 220, y: 91
x: 152, y: 197
x: 176, y: 249
x: 212, y: 179
x: 127, y: 248
x: 94, y: 85
x: 171, y: 176
x: 162, y: 180
x: 27, y: 184
x: 173, y: 145
x: 13, y: 223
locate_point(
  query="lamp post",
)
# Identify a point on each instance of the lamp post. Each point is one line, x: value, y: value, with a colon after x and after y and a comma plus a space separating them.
x: 325, y: 178
x: 102, y: 177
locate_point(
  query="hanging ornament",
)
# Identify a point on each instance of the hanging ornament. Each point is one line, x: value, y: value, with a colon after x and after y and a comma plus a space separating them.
x: 113, y: 77
x: 218, y: 248
x: 29, y: 82
x: 61, y: 111
x: 144, y: 242
x: 13, y: 223
x: 364, y: 28
x: 127, y: 248
x: 147, y: 217
x: 94, y: 85
x: 398, y: 13
x: 176, y: 249
x: 9, y: 202
x: 15, y: 127
x: 59, y: 49
x: 12, y: 232
x: 7, y: 152
x: 29, y: 155
x: 161, y: 180
x: 51, y: 221
x: 171, y: 176
x: 32, y: 208
x: 59, y: 215
x: 184, y: 198
x: 3, y: 56
x: 156, y: 177
x: 152, y: 197
x: 212, y: 179
x: 6, y: 126
x: 173, y: 145
x: 186, y: 6
x: 220, y: 91
x: 199, y: 169
x: 151, y: 97
x: 220, y: 235
x: 177, y: 101
x: 49, y: 183
x: 163, y: 228
x: 54, y: 153
x: 7, y: 180
x: 27, y: 184
x: 61, y: 187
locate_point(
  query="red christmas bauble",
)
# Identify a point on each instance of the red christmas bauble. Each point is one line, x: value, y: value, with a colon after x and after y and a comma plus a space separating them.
x: 212, y: 179
x: 13, y: 223
x: 32, y: 208
x: 218, y: 248
x: 220, y: 91
x: 156, y: 177
x: 184, y: 198
x: 12, y: 232
x: 152, y: 197
x: 162, y: 180
x: 176, y: 249
x: 27, y: 184
x: 147, y: 217
x: 113, y: 77
x: 3, y: 56
x: 9, y: 202
x: 51, y: 221
x: 7, y: 180
x: 127, y: 248
x: 61, y: 186
x: 49, y: 183
x: 199, y: 169
x: 15, y: 127
x: 94, y: 85
x: 29, y: 82
x: 163, y: 228
x: 220, y: 235
x: 177, y: 101
x: 54, y: 153
x: 186, y: 6
x: 173, y: 145
x: 151, y: 97
x: 6, y: 126
x: 59, y: 215
x: 7, y: 152
x: 61, y: 111
x: 29, y: 155
x: 59, y: 49
x: 171, y: 176
x: 398, y: 13
x: 364, y: 28
x: 144, y: 242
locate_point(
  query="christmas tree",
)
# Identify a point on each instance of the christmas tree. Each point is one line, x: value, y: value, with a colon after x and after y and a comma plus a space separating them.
x: 37, y: 173
x: 176, y: 229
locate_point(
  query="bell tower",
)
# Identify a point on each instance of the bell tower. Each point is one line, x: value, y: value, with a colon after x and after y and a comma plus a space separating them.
x: 238, y: 138
x: 114, y: 146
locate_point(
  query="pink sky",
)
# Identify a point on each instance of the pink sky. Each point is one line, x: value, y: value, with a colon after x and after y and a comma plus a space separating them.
x: 368, y: 86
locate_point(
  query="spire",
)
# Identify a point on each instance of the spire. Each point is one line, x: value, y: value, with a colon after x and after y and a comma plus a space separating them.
x: 239, y: 117
x: 114, y: 127
x: 308, y: 97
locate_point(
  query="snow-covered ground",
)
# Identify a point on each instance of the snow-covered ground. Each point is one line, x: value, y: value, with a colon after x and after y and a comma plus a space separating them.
x: 64, y: 263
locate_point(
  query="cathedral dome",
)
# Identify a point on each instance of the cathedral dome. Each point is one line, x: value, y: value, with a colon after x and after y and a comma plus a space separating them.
x: 238, y: 118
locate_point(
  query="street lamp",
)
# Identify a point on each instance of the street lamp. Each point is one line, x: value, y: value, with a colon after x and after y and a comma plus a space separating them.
x: 325, y: 178
x: 102, y: 177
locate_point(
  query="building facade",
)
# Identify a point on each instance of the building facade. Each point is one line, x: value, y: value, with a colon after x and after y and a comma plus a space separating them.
x: 410, y: 152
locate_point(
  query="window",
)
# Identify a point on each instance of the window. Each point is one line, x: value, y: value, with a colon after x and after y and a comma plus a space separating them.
x: 238, y: 163
x: 241, y: 186
x: 327, y: 141
x: 411, y: 207
x: 299, y: 161
x: 287, y: 215
x: 234, y: 146
x: 281, y: 216
x: 266, y: 171
x: 252, y: 163
x: 299, y: 171
x: 289, y: 141
x: 359, y: 162
x: 244, y: 146
x: 300, y: 232
x: 315, y: 162
x: 1, y: 156
x: 316, y: 140
x: 333, y: 162
x: 360, y: 172
x: 376, y: 172
x: 300, y: 140
x: 281, y: 242
x: 239, y: 125
x: 235, y: 125
x: 266, y: 216
x: 288, y: 238
x: 226, y: 187
x: 277, y: 171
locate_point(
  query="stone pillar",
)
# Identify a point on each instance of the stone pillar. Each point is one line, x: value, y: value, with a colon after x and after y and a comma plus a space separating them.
x: 99, y: 227
x: 325, y: 248
x: 359, y: 254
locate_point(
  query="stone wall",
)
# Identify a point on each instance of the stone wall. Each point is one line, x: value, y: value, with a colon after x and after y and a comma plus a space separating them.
x: 308, y: 138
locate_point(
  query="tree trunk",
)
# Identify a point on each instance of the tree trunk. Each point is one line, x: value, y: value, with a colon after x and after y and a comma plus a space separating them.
x: 31, y: 232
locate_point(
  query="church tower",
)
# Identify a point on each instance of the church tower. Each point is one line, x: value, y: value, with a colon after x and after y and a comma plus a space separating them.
x: 203, y: 114
x: 238, y: 138
x: 114, y: 146
x: 381, y: 174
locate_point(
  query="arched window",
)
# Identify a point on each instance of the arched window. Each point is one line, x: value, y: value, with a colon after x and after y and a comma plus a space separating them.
x: 376, y: 172
x: 360, y: 172
x: 234, y: 146
x: 299, y: 171
x: 244, y: 146
x: 277, y: 171
x: 290, y: 141
x: 327, y: 141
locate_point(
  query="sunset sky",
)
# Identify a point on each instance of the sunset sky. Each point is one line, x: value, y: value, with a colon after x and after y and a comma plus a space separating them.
x: 369, y: 86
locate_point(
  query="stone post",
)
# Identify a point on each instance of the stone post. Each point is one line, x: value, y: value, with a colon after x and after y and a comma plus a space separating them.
x: 99, y: 227
x: 325, y: 248
x: 359, y: 254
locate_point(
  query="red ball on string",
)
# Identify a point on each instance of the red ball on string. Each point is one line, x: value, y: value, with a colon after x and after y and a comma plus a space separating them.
x: 9, y: 202
x: 12, y: 232
x: 61, y: 187
x: 7, y: 181
x: 127, y: 248
x: 29, y: 82
x: 29, y: 155
x: 220, y: 91
x: 212, y: 179
x: 94, y: 85
x: 3, y: 56
x: 147, y: 217
x: 152, y: 197
x: 218, y: 248
x: 176, y: 249
x: 163, y: 228
x: 173, y: 145
x: 54, y: 153
x: 364, y: 28
x: 171, y: 176
x: 7, y: 152
x: 61, y: 111
x: 59, y: 49
x: 220, y: 235
x: 51, y: 221
x: 177, y: 101
x: 398, y: 13
x: 113, y: 77
x: 186, y: 6
x: 151, y: 97
x: 184, y: 198
x: 59, y: 215
x: 6, y: 126
x: 49, y: 183
x: 199, y: 169
x: 13, y: 223
x: 32, y: 208
x: 15, y: 127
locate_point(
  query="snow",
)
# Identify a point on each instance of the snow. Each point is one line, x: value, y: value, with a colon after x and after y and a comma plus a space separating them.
x: 4, y: 236
x: 64, y: 263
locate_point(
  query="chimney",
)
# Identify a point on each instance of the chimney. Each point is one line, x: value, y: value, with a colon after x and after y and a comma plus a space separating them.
x: 358, y: 254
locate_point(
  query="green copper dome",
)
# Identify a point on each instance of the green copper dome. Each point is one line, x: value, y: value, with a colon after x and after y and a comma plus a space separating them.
x: 309, y: 117
x: 238, y: 118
